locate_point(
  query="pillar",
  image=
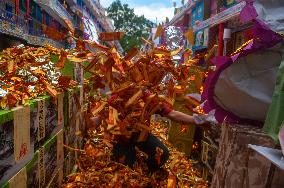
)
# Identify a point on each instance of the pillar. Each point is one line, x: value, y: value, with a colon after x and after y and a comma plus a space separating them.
x: 17, y: 3
x: 43, y: 17
x: 220, y: 39
x: 28, y: 7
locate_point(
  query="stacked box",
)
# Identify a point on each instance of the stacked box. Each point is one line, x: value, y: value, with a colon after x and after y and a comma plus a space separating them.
x: 75, y: 121
x: 29, y: 137
x: 70, y: 138
x: 45, y: 168
x: 16, y: 148
x: 19, y: 180
x: 46, y: 120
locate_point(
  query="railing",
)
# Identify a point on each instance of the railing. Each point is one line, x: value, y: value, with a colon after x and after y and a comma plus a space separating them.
x: 30, y: 26
x: 13, y: 18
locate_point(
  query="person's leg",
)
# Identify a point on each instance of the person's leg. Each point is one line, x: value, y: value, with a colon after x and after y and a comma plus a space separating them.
x: 124, y: 153
x: 157, y: 152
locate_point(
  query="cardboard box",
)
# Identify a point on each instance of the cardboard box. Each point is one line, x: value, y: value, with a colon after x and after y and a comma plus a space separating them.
x: 45, y: 168
x: 19, y: 180
x: 46, y: 119
x: 236, y: 164
x: 15, y: 145
x: 75, y: 120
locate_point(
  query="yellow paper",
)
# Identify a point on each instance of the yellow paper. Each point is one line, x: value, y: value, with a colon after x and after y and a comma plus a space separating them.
x: 159, y: 31
x: 189, y: 35
x: 21, y: 132
x: 113, y: 116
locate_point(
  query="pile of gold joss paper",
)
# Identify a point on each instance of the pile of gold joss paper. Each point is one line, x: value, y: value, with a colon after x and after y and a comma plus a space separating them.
x: 28, y: 72
x: 97, y: 169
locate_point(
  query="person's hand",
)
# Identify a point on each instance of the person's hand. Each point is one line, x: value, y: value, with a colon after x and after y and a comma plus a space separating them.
x: 201, y: 122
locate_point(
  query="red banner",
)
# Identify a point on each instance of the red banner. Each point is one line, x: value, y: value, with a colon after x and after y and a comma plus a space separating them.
x: 111, y: 36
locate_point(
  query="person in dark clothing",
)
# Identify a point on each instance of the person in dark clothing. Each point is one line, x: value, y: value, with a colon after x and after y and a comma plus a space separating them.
x: 124, y: 150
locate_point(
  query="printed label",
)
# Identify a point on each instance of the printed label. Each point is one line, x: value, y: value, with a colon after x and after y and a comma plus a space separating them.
x: 21, y: 132
x: 41, y: 167
x: 41, y: 119
x: 19, y: 180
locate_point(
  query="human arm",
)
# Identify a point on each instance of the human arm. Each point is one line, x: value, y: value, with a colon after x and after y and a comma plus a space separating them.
x: 188, y: 119
x: 180, y: 117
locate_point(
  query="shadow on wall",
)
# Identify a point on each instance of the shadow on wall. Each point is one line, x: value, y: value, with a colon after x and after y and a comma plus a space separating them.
x: 7, y: 41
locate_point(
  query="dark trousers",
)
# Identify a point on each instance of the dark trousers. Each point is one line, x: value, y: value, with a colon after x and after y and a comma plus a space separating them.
x: 126, y: 152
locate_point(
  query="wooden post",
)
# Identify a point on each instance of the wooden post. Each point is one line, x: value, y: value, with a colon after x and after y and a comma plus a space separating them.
x: 16, y: 7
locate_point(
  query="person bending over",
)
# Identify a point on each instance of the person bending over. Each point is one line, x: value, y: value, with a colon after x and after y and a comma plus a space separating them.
x: 124, y: 148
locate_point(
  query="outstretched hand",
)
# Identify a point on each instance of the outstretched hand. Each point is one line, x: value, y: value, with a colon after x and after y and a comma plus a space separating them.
x: 188, y: 119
